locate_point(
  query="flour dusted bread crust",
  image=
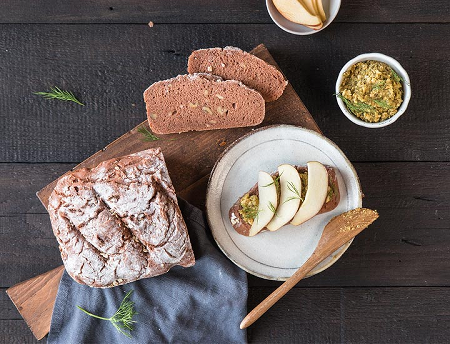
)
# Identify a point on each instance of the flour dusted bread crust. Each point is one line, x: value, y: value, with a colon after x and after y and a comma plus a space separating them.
x: 201, y: 102
x: 243, y: 227
x: 120, y: 221
x: 232, y: 63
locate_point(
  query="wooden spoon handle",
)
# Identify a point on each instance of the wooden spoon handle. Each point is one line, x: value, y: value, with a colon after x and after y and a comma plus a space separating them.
x: 337, y: 232
x: 270, y: 300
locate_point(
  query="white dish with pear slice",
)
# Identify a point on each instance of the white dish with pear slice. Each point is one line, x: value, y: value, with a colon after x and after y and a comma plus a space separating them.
x: 275, y: 255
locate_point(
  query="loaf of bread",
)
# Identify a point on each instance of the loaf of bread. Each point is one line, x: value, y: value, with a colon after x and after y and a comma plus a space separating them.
x: 120, y: 221
x: 232, y: 63
x: 201, y: 102
x: 242, y: 226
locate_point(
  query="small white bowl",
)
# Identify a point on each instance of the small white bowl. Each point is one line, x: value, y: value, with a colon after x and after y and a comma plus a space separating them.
x: 397, y: 68
x: 331, y: 8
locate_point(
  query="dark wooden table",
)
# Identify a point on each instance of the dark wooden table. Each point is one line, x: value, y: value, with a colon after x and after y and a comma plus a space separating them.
x: 392, y: 285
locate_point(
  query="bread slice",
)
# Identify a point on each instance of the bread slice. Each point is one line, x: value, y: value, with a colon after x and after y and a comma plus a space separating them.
x: 201, y: 102
x: 232, y: 63
x: 243, y: 227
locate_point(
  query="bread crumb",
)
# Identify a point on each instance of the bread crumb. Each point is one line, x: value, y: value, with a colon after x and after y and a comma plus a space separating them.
x: 221, y: 142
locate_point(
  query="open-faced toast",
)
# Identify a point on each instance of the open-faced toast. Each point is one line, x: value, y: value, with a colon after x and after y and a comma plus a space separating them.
x: 244, y: 211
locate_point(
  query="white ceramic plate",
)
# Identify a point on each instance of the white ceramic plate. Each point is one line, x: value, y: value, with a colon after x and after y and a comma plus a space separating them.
x: 275, y: 255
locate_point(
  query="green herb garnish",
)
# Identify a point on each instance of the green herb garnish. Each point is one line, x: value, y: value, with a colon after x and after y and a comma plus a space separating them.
x: 379, y: 85
x: 57, y: 93
x: 355, y: 108
x: 123, y: 318
x: 250, y: 213
x: 148, y: 135
x: 294, y: 190
x: 272, y: 208
x: 382, y: 103
x: 276, y: 181
x: 395, y: 76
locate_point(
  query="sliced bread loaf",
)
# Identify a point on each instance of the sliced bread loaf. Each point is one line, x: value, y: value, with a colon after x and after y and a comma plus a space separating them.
x: 232, y: 63
x: 119, y: 221
x: 201, y: 102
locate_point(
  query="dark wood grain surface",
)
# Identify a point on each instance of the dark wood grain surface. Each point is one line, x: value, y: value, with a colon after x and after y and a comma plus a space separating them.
x: 201, y: 11
x: 107, y: 66
x: 392, y: 285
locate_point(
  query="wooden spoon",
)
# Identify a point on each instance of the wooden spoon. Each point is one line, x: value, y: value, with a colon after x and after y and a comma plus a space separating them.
x: 336, y: 233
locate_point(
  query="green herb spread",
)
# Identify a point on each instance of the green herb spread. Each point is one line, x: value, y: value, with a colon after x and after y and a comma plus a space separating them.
x: 249, y: 208
x: 304, y: 180
x: 330, y: 194
x: 371, y: 90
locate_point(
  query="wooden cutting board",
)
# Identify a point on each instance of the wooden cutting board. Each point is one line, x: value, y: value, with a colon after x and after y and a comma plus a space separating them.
x: 189, y: 157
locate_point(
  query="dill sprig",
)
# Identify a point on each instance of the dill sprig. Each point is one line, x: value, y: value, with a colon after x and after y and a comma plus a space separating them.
x: 382, y: 103
x: 57, y: 93
x: 294, y: 190
x: 272, y: 207
x: 123, y: 318
x: 355, y: 108
x: 395, y: 76
x: 148, y: 135
x: 250, y: 213
x: 379, y: 85
x: 276, y: 181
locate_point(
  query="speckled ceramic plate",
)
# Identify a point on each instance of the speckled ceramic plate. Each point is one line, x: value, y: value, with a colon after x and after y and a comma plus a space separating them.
x: 275, y: 255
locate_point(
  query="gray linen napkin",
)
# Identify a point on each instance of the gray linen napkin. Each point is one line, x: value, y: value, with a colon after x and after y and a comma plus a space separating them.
x: 201, y: 304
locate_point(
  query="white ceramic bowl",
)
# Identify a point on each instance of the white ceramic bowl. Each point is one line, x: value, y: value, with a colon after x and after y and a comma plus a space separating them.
x: 397, y: 68
x: 331, y: 8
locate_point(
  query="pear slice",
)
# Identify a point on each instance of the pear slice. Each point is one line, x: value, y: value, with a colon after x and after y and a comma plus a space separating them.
x: 294, y: 11
x: 319, y: 9
x: 290, y: 186
x: 267, y: 192
x: 310, y: 6
x: 315, y: 195
x: 315, y: 27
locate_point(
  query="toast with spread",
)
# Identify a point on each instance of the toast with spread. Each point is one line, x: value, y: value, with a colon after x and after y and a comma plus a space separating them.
x: 289, y: 200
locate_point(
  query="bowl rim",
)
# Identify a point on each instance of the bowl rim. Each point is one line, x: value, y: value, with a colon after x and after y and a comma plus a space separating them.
x: 397, y: 67
x: 310, y: 31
